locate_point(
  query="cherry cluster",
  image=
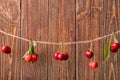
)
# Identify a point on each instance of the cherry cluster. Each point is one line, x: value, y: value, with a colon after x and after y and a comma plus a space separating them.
x: 61, y: 56
x: 93, y: 64
x: 30, y: 55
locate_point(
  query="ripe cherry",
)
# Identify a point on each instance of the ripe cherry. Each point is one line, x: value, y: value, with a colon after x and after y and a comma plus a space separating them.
x: 6, y: 49
x: 34, y: 57
x: 61, y: 56
x: 114, y: 47
x: 56, y: 55
x: 28, y: 58
x: 89, y: 54
x: 90, y: 64
x: 66, y: 56
x: 93, y: 65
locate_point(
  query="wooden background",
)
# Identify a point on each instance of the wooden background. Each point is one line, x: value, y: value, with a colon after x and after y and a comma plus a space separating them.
x: 55, y: 21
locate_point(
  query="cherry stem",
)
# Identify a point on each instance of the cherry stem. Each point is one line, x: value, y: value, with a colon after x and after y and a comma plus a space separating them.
x: 31, y: 47
x: 61, y: 47
x: 91, y: 46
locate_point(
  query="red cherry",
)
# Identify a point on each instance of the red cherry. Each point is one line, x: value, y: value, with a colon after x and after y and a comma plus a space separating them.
x: 94, y: 65
x: 6, y: 49
x: 66, y: 56
x: 61, y: 56
x: 56, y: 56
x: 114, y: 47
x: 34, y: 57
x: 89, y: 54
x: 90, y: 64
x: 28, y: 58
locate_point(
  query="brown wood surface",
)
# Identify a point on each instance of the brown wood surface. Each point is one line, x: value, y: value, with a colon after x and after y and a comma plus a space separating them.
x: 55, y: 21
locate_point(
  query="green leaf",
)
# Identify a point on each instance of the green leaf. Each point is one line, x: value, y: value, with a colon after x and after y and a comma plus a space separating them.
x: 32, y: 46
x: 31, y: 49
x: 107, y: 50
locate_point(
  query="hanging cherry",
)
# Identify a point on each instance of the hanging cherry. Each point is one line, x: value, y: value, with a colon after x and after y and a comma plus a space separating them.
x: 56, y: 55
x: 89, y: 52
x: 93, y: 65
x: 66, y: 56
x: 34, y: 57
x: 28, y: 58
x: 115, y: 45
x: 60, y: 55
x: 30, y: 55
x: 6, y: 49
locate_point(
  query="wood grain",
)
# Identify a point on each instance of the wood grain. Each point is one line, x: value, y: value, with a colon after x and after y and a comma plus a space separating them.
x: 55, y: 21
x: 61, y: 28
x: 35, y: 27
x: 9, y: 22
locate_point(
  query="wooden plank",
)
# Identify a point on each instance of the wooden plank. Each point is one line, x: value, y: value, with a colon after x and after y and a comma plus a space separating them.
x: 55, y: 21
x: 95, y: 12
x: 105, y: 31
x: 118, y: 28
x: 83, y: 32
x: 9, y: 22
x: 113, y: 26
x: 61, y: 28
x: 102, y: 22
x: 35, y: 27
x: 109, y: 13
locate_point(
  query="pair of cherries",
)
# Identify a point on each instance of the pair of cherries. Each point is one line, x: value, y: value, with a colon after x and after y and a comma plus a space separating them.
x: 94, y: 64
x: 30, y: 55
x: 61, y: 56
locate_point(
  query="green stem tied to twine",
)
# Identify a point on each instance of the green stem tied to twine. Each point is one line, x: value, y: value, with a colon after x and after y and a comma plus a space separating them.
x: 31, y: 48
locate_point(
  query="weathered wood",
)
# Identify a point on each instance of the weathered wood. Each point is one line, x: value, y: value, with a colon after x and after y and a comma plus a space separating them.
x: 9, y: 22
x: 61, y: 28
x: 103, y: 20
x: 34, y: 26
x: 55, y: 21
x: 83, y: 28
